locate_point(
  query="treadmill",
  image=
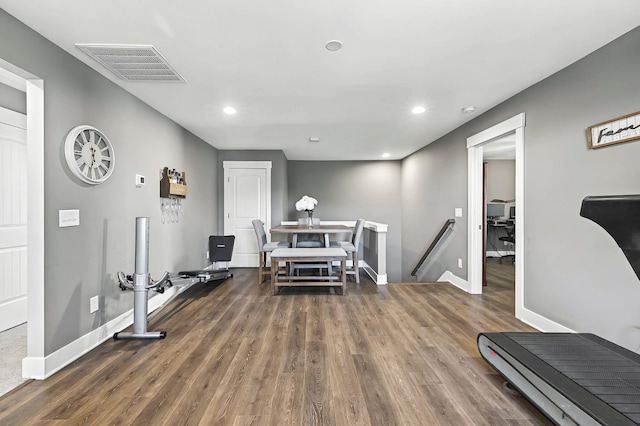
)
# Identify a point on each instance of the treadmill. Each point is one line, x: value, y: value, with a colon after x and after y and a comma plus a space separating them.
x: 578, y: 378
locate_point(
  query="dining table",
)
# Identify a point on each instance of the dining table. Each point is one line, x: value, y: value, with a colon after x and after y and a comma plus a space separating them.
x: 325, y: 230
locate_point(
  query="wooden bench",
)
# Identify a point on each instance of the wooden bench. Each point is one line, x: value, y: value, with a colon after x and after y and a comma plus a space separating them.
x: 284, y: 278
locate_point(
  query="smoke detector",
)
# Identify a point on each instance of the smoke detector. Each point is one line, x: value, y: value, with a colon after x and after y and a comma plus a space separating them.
x: 333, y: 45
x: 132, y: 62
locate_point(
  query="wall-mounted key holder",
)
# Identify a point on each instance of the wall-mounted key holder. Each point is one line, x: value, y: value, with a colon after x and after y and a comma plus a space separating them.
x: 173, y: 184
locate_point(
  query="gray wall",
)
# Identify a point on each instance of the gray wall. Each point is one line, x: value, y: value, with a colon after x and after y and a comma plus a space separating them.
x: 13, y: 99
x: 501, y: 180
x: 348, y: 190
x: 81, y: 262
x: 582, y: 280
x: 278, y: 180
x: 434, y: 183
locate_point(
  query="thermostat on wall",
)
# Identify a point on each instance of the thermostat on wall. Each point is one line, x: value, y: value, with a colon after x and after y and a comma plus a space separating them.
x: 139, y: 180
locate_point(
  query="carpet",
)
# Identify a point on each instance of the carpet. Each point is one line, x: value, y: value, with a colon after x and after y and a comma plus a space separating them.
x: 13, y: 347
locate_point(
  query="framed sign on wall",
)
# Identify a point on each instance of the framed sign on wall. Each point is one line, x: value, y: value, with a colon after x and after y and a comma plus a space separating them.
x: 621, y: 129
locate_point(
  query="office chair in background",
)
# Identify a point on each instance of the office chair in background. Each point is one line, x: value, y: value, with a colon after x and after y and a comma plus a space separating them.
x: 511, y: 234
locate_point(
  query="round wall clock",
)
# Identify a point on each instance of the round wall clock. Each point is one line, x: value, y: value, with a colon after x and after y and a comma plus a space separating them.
x: 89, y: 154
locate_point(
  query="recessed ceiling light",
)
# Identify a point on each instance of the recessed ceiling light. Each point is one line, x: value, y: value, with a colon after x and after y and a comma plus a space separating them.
x: 386, y: 155
x: 229, y: 110
x: 314, y: 139
x: 333, y: 45
x: 418, y: 110
x: 469, y: 109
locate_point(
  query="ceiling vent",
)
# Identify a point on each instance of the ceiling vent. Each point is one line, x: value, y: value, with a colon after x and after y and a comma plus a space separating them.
x: 131, y: 62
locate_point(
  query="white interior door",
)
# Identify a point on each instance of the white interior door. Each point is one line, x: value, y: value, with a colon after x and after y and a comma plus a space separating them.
x: 13, y: 219
x: 247, y: 196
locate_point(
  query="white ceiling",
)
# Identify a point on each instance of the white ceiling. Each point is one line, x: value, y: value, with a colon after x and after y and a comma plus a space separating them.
x: 267, y: 59
x: 503, y: 148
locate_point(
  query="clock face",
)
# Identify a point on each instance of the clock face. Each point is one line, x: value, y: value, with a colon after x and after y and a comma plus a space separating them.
x: 89, y: 154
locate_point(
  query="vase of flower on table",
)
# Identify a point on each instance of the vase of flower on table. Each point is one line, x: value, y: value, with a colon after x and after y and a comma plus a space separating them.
x: 307, y: 204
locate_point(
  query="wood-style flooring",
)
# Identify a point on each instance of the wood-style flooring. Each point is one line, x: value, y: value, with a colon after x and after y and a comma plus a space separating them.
x: 401, y: 354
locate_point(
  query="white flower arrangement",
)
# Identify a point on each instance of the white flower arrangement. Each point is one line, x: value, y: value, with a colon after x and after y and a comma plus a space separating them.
x: 307, y: 204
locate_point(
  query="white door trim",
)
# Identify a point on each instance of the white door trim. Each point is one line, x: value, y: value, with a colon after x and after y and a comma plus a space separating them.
x: 13, y: 118
x: 475, y: 220
x: 34, y: 365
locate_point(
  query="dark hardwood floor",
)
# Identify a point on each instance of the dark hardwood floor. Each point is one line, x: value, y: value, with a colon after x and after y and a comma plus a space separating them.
x: 236, y: 355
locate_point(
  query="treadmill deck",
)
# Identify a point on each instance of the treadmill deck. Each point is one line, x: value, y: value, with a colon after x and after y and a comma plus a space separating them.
x: 596, y: 376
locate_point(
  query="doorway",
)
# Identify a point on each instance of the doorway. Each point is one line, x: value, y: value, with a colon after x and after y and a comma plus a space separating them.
x: 475, y: 230
x: 247, y: 196
x: 499, y: 198
x: 33, y: 366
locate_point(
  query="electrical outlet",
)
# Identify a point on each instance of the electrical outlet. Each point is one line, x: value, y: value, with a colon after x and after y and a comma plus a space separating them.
x: 460, y: 263
x: 94, y: 304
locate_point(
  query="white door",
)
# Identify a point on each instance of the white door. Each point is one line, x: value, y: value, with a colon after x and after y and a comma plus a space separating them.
x: 247, y: 196
x: 13, y: 219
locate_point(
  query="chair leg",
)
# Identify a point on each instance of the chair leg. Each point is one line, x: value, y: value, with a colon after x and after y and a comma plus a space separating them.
x: 356, y: 269
x: 262, y: 263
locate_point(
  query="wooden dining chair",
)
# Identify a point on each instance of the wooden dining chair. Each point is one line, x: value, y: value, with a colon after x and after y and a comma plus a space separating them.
x: 351, y: 247
x: 264, y: 248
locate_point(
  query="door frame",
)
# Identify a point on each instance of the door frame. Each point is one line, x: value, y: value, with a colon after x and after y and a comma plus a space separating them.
x: 34, y: 365
x: 475, y: 228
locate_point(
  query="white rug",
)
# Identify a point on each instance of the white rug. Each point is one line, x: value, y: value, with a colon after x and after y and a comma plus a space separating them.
x: 13, y: 347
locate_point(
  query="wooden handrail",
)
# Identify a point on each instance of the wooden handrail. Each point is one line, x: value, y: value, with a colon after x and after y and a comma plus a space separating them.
x: 449, y: 223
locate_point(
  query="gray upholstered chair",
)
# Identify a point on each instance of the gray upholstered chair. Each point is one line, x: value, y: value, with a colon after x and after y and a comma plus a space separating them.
x: 264, y: 247
x: 351, y: 247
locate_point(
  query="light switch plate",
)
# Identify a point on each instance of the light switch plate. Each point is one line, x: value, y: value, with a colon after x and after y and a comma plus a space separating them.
x: 94, y: 304
x: 68, y: 218
x: 139, y: 181
x: 458, y: 212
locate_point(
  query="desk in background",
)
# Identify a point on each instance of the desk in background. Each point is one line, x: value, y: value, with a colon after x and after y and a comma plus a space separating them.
x: 495, y: 230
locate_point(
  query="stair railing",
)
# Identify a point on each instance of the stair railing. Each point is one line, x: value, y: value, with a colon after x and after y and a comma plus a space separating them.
x: 447, y: 225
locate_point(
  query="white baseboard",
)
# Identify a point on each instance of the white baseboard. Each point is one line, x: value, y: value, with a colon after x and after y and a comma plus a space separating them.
x: 40, y: 368
x: 380, y: 279
x: 539, y: 322
x: 448, y: 276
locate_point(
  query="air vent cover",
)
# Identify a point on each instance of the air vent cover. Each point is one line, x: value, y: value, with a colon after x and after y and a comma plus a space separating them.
x: 132, y: 62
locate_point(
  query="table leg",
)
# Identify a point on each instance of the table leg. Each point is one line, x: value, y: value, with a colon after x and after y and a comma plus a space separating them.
x: 274, y: 274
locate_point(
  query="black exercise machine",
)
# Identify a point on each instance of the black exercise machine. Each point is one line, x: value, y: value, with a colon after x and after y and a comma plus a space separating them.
x: 220, y: 250
x: 571, y: 378
x: 578, y: 378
